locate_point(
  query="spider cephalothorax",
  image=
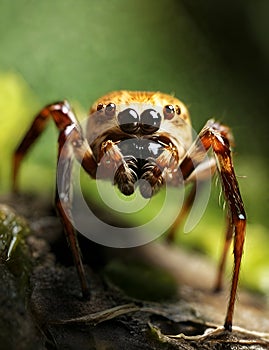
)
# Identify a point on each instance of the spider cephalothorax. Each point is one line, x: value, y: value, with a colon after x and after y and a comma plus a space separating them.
x: 132, y: 136
x: 148, y: 133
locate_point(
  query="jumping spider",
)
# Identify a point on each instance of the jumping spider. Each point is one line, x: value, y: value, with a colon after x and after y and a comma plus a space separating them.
x: 122, y: 115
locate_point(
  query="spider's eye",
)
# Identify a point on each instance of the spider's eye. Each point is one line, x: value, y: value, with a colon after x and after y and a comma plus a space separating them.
x: 169, y: 112
x: 100, y: 106
x: 110, y: 109
x: 178, y: 110
x: 128, y: 120
x: 150, y: 121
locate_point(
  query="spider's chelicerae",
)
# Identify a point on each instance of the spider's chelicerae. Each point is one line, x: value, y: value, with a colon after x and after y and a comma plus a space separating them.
x: 124, y: 115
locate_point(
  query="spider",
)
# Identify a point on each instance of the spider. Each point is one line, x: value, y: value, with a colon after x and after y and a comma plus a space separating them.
x: 124, y: 115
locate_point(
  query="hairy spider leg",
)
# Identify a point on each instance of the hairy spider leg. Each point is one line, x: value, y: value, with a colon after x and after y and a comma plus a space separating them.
x: 218, y: 138
x: 114, y: 166
x: 70, y: 142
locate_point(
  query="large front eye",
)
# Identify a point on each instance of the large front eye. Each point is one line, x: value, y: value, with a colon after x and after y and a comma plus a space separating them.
x: 150, y: 121
x: 128, y: 120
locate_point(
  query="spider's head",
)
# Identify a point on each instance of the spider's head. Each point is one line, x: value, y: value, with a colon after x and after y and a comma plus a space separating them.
x: 140, y: 114
x: 145, y: 129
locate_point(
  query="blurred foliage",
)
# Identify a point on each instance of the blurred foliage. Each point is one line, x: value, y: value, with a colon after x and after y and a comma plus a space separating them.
x: 212, y: 56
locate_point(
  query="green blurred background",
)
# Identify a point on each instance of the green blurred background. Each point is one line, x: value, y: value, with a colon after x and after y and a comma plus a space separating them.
x: 213, y: 55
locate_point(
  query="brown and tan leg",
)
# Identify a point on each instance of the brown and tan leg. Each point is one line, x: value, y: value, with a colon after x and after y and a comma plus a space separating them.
x: 71, y: 142
x: 188, y: 202
x: 202, y: 173
x: 157, y: 171
x: 227, y: 244
x: 218, y: 137
x: 119, y: 169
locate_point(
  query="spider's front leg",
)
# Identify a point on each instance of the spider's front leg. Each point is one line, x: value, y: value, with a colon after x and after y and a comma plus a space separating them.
x: 70, y: 142
x: 218, y: 137
x: 158, y: 171
x: 115, y: 166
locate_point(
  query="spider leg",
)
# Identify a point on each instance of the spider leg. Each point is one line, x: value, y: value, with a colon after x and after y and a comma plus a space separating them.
x: 202, y: 173
x: 218, y: 137
x: 117, y: 167
x: 170, y: 237
x: 158, y: 171
x: 227, y: 243
x: 70, y: 142
x: 63, y: 117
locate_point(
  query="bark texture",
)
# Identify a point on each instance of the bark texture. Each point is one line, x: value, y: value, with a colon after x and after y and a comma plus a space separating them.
x: 48, y: 311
